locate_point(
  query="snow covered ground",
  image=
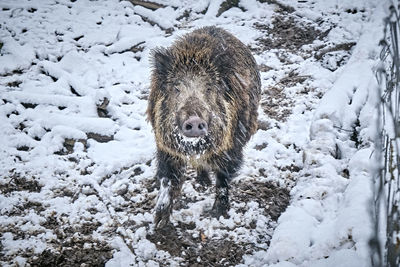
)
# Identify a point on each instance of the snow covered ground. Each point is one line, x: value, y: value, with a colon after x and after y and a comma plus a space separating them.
x: 77, y: 154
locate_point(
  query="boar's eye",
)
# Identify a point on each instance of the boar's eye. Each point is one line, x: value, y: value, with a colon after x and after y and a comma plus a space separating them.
x: 209, y: 90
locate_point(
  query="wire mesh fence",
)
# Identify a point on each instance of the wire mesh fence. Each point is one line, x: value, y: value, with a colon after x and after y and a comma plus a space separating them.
x: 385, y: 245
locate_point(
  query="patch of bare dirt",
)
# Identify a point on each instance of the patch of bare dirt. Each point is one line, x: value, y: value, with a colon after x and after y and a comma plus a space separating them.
x: 275, y: 104
x: 274, y: 101
x: 286, y: 33
x: 19, y: 183
x: 75, y: 244
x: 78, y: 254
x: 198, y: 250
x: 272, y: 198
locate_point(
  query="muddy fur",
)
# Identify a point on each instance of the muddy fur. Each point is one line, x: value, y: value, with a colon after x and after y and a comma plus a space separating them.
x: 210, y: 74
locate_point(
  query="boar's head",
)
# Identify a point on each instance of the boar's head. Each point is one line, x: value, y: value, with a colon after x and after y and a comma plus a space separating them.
x: 189, y: 103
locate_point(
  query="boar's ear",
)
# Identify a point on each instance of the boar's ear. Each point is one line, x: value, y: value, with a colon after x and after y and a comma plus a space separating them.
x: 161, y: 60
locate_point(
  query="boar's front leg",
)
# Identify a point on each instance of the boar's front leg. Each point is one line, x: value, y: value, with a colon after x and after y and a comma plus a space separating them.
x: 221, y: 204
x: 169, y: 173
x: 231, y: 163
x: 203, y: 177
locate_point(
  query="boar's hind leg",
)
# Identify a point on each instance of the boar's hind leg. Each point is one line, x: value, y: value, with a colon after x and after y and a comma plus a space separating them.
x: 169, y: 173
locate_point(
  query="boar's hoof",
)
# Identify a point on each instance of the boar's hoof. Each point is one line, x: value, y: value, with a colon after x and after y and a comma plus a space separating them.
x: 161, y: 218
x: 220, y: 207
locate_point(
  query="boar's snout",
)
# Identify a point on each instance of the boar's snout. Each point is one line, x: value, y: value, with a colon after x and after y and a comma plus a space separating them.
x: 194, y: 127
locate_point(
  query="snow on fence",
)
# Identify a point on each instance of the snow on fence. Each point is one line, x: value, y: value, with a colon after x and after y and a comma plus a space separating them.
x: 385, y: 245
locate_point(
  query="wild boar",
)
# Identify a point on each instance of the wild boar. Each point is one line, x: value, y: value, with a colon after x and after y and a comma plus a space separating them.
x: 204, y: 96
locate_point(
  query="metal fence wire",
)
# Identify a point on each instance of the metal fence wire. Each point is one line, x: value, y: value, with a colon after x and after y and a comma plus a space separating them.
x: 385, y: 245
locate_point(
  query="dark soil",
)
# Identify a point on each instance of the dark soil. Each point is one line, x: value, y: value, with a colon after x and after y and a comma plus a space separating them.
x: 286, y: 33
x: 74, y: 245
x: 75, y: 255
x: 18, y: 183
x: 275, y: 104
x: 273, y: 199
x: 200, y: 251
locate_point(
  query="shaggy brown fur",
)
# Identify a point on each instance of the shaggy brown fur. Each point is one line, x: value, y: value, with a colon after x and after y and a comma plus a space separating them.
x: 209, y: 74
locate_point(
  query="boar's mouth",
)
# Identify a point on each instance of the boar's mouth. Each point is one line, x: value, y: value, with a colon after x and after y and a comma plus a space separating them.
x: 191, y: 145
